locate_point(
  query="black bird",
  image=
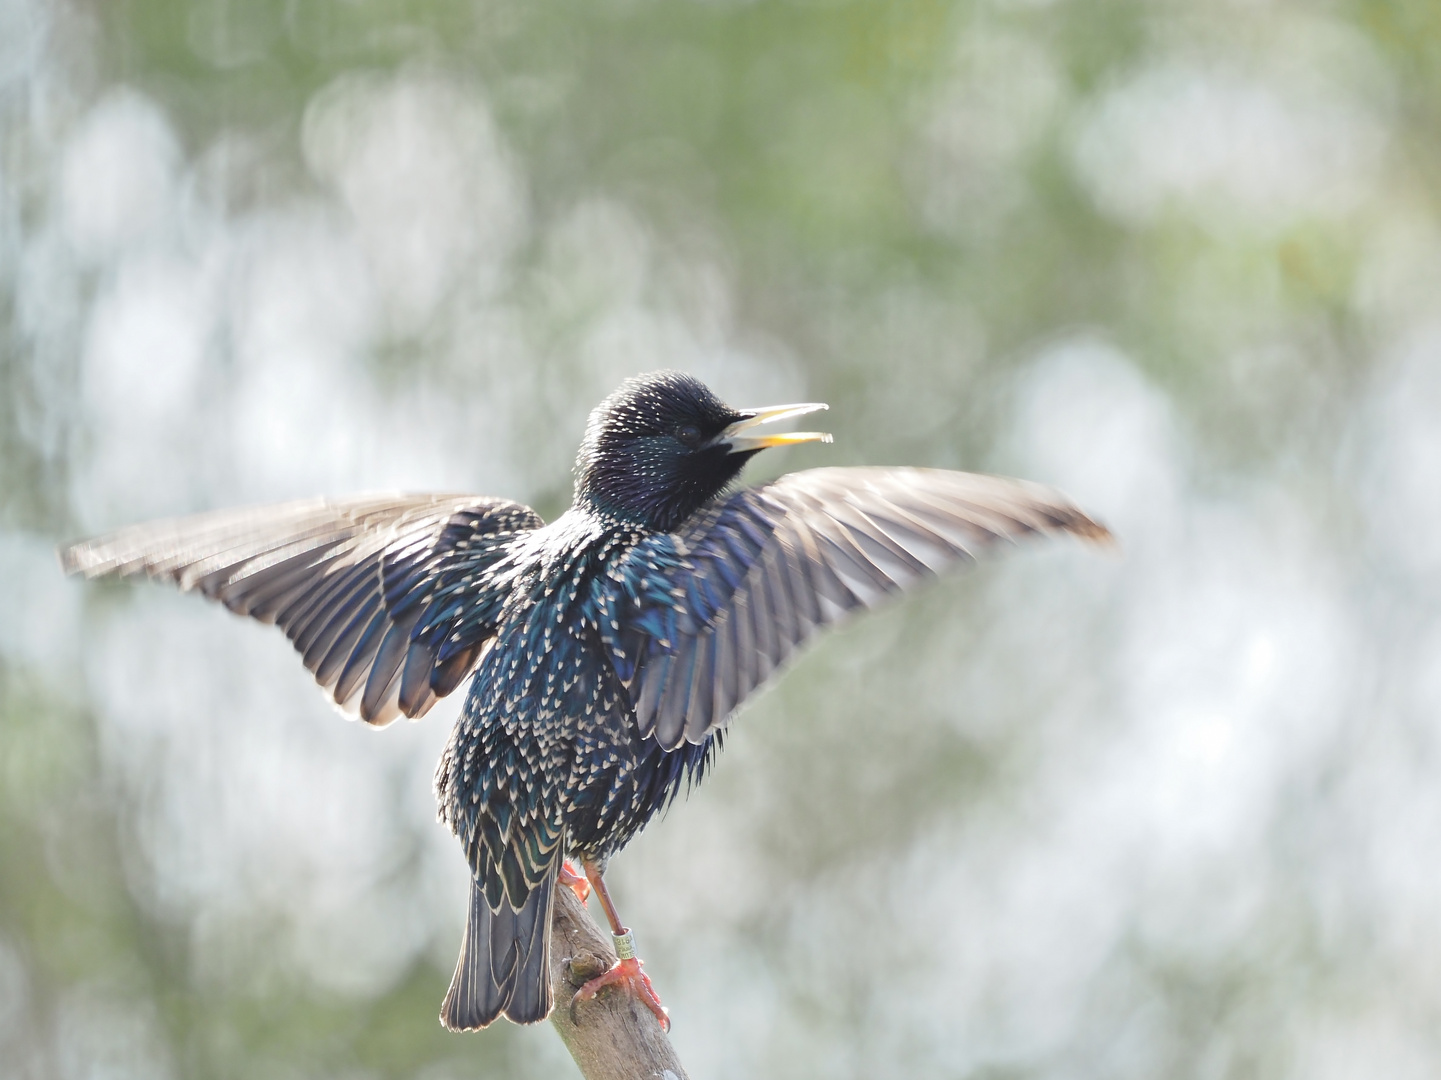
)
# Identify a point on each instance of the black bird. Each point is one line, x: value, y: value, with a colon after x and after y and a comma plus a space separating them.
x: 608, y: 648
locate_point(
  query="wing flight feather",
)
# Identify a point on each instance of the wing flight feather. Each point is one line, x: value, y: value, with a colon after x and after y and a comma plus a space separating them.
x: 383, y: 596
x: 713, y: 610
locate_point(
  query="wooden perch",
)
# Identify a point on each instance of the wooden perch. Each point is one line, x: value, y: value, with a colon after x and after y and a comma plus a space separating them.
x: 615, y: 1036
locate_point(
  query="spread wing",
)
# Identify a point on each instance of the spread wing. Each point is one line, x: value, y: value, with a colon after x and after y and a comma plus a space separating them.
x: 697, y: 620
x: 386, y: 597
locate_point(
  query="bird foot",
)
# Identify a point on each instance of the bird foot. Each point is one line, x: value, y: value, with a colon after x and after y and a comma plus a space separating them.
x: 628, y: 974
x: 577, y: 882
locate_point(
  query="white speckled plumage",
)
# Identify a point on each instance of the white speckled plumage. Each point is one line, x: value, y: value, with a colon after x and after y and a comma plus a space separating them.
x: 608, y: 648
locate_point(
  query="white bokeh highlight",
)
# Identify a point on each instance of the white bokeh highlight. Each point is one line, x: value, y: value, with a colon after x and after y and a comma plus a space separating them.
x: 1228, y: 144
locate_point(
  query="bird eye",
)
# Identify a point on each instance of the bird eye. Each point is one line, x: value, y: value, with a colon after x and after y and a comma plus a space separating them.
x: 688, y: 434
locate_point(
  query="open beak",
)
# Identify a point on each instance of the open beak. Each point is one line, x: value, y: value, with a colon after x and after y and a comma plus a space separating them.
x: 739, y: 440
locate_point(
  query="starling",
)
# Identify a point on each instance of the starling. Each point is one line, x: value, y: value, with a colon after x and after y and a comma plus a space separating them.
x: 606, y: 651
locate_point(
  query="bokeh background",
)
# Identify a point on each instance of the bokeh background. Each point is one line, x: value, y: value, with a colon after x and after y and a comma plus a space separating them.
x: 1173, y: 813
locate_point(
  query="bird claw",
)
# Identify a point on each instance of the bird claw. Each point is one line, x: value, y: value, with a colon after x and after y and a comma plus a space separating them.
x: 626, y: 973
x: 577, y: 882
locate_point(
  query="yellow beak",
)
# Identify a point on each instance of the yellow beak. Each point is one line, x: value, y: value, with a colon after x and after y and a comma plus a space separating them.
x: 739, y: 442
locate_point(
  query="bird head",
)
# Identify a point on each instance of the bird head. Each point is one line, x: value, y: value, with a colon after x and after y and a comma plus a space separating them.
x: 662, y: 446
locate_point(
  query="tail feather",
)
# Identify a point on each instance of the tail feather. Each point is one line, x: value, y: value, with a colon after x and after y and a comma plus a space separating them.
x: 504, y: 965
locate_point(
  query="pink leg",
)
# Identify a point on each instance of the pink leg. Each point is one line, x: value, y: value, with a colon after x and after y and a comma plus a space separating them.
x: 626, y: 971
x: 578, y: 884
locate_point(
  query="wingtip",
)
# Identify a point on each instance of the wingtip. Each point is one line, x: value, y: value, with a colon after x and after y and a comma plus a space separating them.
x: 94, y: 558
x: 73, y: 558
x: 1096, y: 533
